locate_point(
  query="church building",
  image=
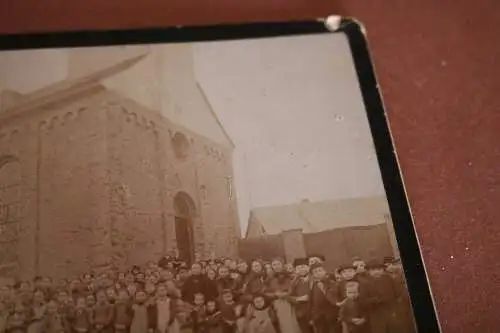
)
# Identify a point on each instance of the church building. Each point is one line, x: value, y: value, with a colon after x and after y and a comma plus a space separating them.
x: 118, y: 161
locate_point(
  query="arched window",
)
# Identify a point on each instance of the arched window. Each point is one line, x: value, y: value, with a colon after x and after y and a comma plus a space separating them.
x: 203, y: 192
x: 180, y: 144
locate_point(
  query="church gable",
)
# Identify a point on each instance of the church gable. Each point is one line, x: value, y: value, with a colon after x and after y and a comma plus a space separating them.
x: 159, y: 77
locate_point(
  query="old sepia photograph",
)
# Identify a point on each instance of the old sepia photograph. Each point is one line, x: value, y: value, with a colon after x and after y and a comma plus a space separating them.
x: 202, y: 187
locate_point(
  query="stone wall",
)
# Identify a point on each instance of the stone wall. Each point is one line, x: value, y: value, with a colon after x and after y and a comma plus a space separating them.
x: 73, y: 193
x: 97, y: 179
x: 136, y: 204
x: 19, y: 139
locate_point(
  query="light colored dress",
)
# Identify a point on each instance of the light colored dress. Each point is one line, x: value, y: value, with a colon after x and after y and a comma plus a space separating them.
x: 286, y: 316
x: 140, y: 319
x: 261, y: 322
x: 284, y: 310
x: 37, y: 319
x: 163, y: 315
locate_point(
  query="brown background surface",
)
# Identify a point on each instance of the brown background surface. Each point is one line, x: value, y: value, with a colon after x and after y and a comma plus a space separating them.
x: 438, y: 65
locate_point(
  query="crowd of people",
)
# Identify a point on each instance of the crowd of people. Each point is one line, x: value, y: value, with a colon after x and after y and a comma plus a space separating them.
x: 215, y: 296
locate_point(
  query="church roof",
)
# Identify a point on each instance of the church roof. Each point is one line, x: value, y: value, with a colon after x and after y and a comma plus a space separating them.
x: 161, y: 78
x: 61, y: 89
x: 319, y: 216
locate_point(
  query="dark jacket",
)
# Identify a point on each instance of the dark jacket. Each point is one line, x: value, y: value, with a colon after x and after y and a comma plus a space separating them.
x: 323, y: 300
x: 211, y: 323
x: 123, y: 315
x: 379, y: 293
x: 300, y: 288
x: 352, y: 309
x: 193, y: 285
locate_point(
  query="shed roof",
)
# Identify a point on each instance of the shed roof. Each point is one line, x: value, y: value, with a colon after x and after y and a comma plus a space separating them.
x: 319, y: 216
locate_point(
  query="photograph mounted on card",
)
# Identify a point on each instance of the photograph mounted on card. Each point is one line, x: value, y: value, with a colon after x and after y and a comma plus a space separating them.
x: 213, y: 179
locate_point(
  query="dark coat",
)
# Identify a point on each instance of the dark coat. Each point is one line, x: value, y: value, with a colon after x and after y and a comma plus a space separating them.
x: 211, y: 323
x: 379, y: 293
x: 123, y: 315
x: 323, y: 300
x: 301, y: 287
x: 80, y: 319
x: 352, y: 309
x: 193, y: 285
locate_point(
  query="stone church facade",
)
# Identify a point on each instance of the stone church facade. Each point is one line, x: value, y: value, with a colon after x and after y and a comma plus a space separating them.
x: 90, y: 178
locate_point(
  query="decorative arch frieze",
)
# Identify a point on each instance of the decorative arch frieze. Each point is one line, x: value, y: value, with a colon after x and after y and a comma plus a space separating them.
x: 61, y: 119
x: 9, y: 135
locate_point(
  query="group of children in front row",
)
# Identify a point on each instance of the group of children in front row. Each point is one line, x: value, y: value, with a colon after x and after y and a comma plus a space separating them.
x: 215, y: 296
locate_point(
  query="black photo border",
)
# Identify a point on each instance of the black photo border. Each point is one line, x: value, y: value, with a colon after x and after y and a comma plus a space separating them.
x: 416, y: 277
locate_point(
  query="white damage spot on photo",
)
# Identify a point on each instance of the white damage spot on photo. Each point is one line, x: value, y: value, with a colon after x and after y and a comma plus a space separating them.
x: 332, y: 22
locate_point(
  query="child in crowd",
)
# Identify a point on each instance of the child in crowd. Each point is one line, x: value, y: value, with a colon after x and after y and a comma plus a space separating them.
x: 347, y: 275
x: 54, y: 321
x: 212, y: 321
x: 150, y: 289
x: 111, y: 295
x: 123, y: 314
x: 214, y: 296
x: 182, y: 322
x: 198, y: 310
x: 102, y: 313
x: 81, y: 316
x: 230, y: 312
x: 351, y: 312
x: 90, y: 301
x: 17, y: 322
x: 37, y: 311
x: 162, y: 313
x: 262, y: 316
x: 139, y: 322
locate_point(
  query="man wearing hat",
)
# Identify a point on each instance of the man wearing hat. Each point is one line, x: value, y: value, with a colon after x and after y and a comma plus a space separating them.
x: 348, y: 274
x: 316, y: 259
x: 361, y: 273
x: 393, y: 266
x: 379, y: 298
x: 324, y: 310
x: 301, y: 287
x: 402, y: 308
x: 359, y: 264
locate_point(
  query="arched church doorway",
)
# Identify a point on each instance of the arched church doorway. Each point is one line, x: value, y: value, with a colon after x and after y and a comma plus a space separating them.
x: 185, y: 213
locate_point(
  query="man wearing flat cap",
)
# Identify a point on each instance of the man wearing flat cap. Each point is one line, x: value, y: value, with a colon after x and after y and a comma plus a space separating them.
x: 324, y: 307
x: 403, y: 310
x: 379, y: 298
x: 348, y: 274
x: 301, y: 287
x: 316, y: 259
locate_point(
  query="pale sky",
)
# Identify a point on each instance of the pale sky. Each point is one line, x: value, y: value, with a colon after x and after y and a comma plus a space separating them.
x: 293, y: 108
